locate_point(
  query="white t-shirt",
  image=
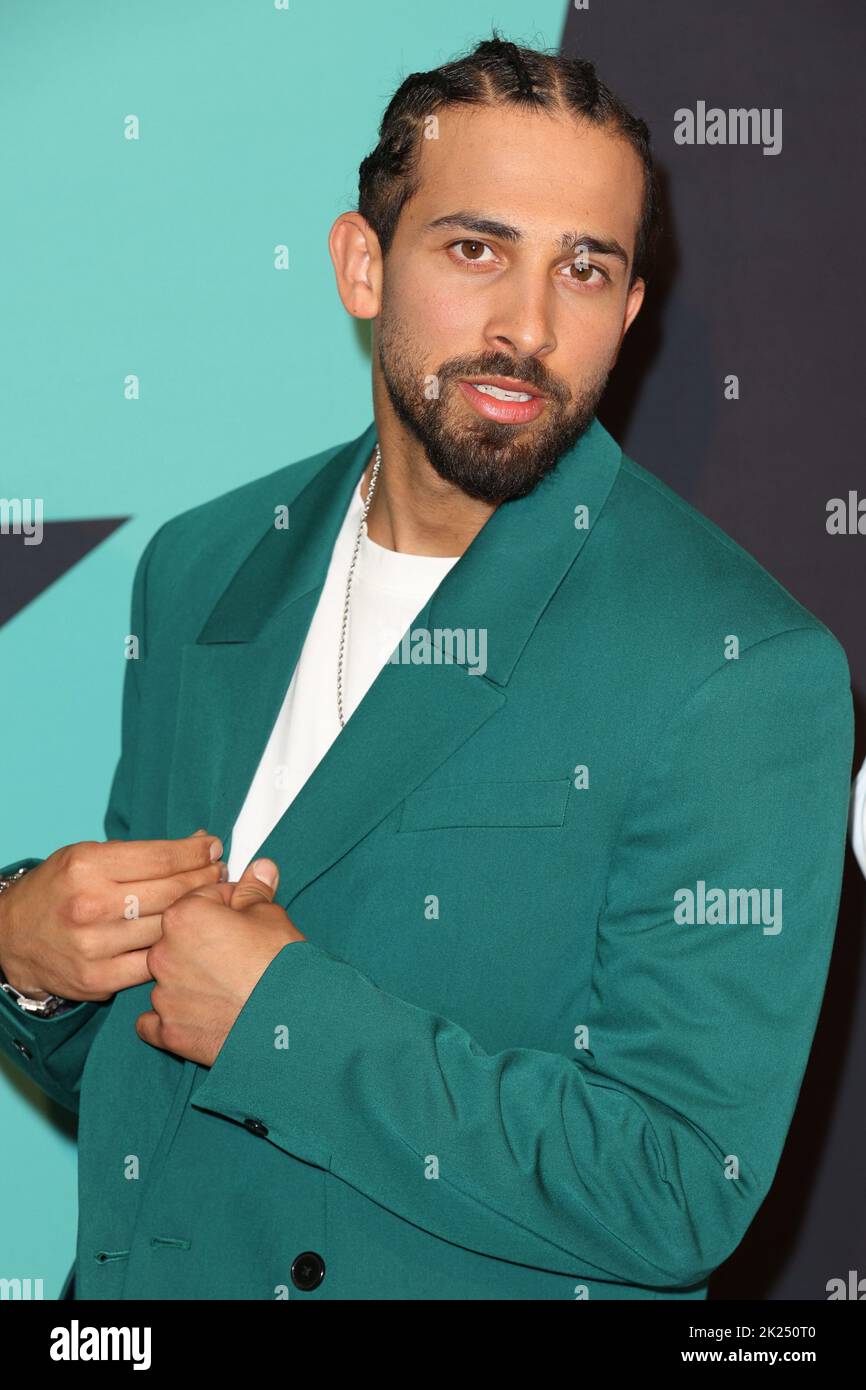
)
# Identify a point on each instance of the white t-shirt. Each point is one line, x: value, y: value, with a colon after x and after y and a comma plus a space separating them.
x: 388, y: 590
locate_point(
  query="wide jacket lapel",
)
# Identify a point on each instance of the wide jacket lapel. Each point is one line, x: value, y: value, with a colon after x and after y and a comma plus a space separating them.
x: 235, y: 675
x: 414, y: 716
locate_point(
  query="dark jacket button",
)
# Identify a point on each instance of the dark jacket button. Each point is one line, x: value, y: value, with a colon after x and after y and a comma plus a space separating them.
x: 308, y: 1270
x: 23, y: 1049
x: 255, y: 1126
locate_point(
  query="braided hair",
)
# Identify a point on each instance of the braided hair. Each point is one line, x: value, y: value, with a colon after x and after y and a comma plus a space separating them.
x: 497, y: 71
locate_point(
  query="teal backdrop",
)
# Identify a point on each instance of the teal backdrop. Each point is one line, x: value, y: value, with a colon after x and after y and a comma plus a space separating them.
x: 155, y: 258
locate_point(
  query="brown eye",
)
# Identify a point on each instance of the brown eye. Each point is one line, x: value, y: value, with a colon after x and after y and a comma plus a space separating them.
x: 477, y: 248
x: 581, y: 273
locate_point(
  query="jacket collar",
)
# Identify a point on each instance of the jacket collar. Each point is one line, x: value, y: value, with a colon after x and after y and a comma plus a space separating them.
x: 235, y: 675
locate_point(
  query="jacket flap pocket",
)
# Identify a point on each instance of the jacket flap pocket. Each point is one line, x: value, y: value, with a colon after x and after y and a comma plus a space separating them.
x: 486, y: 803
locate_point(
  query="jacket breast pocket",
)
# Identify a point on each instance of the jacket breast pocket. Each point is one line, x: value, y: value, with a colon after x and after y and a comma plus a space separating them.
x: 491, y: 804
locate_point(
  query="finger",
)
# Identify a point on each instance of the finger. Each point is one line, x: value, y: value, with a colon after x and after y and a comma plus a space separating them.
x: 120, y: 972
x: 118, y: 938
x: 124, y: 860
x: 148, y: 1028
x: 130, y: 969
x: 147, y: 896
x: 257, y: 884
x: 220, y: 892
x: 134, y: 936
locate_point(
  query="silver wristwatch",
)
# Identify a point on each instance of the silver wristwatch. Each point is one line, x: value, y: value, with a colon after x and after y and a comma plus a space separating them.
x: 43, y: 1007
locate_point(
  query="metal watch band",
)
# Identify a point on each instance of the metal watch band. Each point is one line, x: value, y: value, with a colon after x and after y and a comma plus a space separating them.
x: 45, y: 1008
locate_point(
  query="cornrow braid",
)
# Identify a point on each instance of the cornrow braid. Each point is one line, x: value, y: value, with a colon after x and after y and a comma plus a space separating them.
x: 497, y: 72
x: 494, y: 51
x: 524, y: 81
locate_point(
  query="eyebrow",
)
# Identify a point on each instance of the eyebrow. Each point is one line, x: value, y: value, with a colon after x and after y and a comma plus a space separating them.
x: 568, y: 241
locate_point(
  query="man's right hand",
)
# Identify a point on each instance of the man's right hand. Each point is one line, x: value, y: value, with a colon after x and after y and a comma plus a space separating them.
x: 80, y: 924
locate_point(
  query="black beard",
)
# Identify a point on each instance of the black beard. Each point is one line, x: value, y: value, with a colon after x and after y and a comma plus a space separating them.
x: 486, y: 459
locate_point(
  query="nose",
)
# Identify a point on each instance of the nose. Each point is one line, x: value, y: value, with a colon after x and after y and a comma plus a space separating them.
x: 520, y: 317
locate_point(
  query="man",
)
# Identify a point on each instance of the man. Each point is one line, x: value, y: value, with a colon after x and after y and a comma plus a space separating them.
x: 512, y: 987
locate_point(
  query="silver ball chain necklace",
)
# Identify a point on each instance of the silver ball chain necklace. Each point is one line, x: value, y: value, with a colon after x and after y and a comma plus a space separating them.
x: 372, y: 488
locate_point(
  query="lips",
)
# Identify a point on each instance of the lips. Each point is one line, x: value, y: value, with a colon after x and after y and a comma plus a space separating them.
x: 506, y: 383
x: 507, y: 412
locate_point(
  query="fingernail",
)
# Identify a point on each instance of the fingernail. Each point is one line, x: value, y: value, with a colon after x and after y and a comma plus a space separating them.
x: 202, y: 831
x: 266, y: 871
x: 216, y: 850
x: 224, y: 872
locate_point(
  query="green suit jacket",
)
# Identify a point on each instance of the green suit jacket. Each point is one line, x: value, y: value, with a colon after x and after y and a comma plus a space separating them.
x: 518, y: 1065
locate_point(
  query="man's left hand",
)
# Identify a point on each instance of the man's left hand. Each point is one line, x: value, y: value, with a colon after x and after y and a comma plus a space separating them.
x: 216, y: 944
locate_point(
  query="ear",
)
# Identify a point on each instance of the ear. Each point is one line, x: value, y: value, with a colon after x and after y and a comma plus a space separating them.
x: 632, y: 309
x: 357, y: 259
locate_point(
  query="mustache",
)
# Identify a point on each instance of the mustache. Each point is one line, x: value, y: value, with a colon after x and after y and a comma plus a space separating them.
x: 499, y: 364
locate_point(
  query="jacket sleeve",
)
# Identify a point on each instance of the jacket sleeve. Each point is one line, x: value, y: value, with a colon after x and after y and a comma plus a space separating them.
x: 643, y: 1158
x: 51, y: 1050
x: 54, y: 1050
